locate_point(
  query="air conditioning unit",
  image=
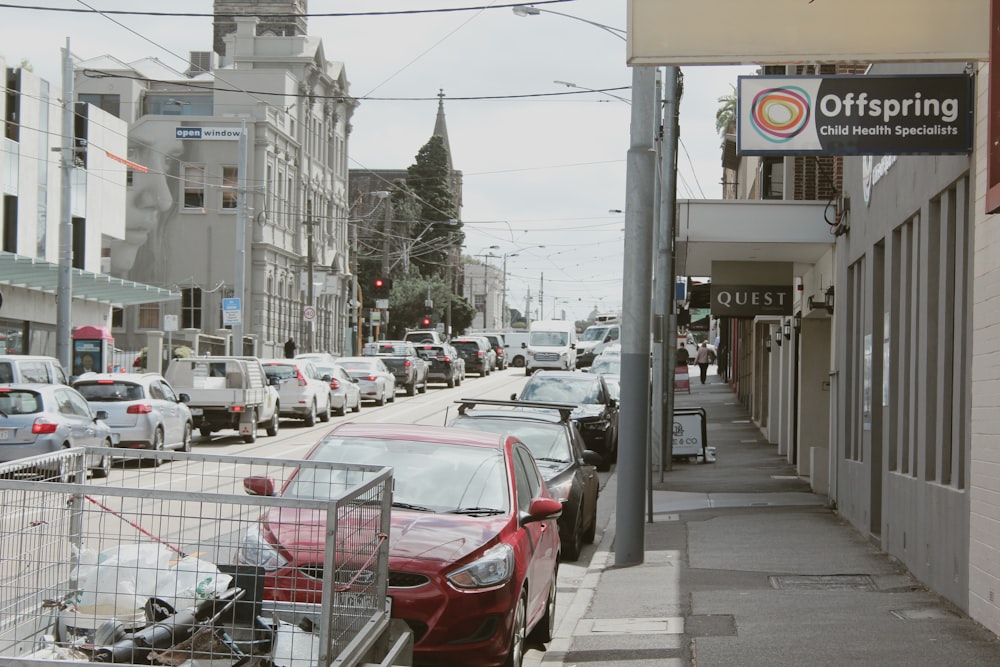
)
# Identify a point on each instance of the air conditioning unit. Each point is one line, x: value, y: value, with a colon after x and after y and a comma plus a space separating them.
x: 201, y: 61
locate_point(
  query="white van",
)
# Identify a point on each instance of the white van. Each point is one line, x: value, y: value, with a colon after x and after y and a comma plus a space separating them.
x: 551, y: 344
x: 594, y: 339
x: 31, y: 368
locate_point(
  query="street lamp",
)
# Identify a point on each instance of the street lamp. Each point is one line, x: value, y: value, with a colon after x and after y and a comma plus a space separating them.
x: 594, y: 90
x: 528, y: 10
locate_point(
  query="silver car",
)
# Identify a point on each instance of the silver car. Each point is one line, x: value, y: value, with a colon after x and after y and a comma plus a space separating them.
x: 47, y: 418
x: 143, y: 409
x: 345, y: 394
x: 376, y: 381
x: 302, y: 392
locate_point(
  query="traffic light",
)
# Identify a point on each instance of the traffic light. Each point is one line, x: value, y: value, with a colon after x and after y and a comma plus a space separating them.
x: 426, y: 322
x: 381, y: 287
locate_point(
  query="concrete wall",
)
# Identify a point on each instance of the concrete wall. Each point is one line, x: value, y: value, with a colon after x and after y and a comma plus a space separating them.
x: 900, y: 454
x: 984, y: 464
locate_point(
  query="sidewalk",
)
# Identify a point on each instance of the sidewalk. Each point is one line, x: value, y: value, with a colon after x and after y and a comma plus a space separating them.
x: 744, y: 566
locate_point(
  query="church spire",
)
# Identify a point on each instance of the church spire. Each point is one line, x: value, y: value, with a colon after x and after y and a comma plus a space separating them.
x: 441, y: 128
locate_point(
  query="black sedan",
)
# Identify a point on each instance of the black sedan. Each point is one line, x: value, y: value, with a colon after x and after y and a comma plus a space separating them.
x: 556, y: 445
x: 596, y: 411
x: 443, y: 363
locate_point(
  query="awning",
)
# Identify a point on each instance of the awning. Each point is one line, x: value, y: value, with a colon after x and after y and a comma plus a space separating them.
x: 36, y: 274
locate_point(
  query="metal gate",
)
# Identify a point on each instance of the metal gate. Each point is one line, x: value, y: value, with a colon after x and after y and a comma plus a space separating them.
x: 150, y: 567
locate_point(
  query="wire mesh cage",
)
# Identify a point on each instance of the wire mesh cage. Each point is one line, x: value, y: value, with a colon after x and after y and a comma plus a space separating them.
x: 188, y: 559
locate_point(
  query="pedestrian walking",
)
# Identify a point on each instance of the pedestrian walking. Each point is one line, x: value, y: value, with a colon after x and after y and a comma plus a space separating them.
x: 703, y: 358
x: 683, y: 356
x: 290, y: 348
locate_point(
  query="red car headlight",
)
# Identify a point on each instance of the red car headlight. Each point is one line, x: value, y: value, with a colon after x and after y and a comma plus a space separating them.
x: 494, y: 568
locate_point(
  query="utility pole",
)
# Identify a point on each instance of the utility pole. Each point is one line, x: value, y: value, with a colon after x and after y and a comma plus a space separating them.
x: 636, y: 296
x: 310, y: 297
x: 64, y: 289
x: 239, y: 289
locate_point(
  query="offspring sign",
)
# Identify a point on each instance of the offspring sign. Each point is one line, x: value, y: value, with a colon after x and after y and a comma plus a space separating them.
x: 855, y: 115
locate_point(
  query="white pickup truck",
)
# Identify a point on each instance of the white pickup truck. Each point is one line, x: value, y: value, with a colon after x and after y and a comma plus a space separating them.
x: 227, y: 393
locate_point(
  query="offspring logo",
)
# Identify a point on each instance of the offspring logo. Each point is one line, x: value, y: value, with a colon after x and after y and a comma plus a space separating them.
x: 779, y: 114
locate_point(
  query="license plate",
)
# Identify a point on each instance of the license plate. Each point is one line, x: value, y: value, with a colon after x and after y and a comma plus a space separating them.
x: 196, y: 412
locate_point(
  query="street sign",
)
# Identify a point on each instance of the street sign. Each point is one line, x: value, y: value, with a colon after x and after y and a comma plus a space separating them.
x: 170, y: 323
x: 231, y: 311
x: 382, y: 303
x: 376, y: 317
x: 309, y: 313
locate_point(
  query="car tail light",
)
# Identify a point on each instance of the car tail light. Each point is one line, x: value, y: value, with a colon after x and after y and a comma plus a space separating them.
x: 334, y: 384
x: 446, y: 360
x: 106, y: 381
x: 237, y: 408
x: 43, y: 425
x: 407, y: 364
x: 140, y: 409
x: 370, y: 378
x: 479, y: 353
x: 300, y: 378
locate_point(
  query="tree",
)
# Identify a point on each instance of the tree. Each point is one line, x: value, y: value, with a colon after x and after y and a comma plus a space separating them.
x: 429, y: 178
x: 725, y: 116
x: 407, y: 304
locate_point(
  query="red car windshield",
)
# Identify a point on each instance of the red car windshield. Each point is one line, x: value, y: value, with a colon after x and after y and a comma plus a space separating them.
x: 426, y: 475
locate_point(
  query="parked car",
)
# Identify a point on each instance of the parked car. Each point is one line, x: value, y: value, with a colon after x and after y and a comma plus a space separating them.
x: 473, y: 544
x: 31, y: 368
x: 376, y: 381
x: 596, y: 411
x: 443, y: 363
x: 402, y: 359
x: 143, y: 409
x: 345, y: 394
x: 568, y: 467
x: 227, y: 392
x: 319, y: 358
x: 302, y: 391
x: 499, y: 346
x: 475, y: 351
x: 38, y: 418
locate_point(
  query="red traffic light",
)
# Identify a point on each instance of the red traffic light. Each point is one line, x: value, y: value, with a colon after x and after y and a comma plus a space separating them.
x: 379, y: 283
x: 426, y: 322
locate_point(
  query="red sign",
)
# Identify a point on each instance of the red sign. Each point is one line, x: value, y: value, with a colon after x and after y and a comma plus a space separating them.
x: 682, y: 381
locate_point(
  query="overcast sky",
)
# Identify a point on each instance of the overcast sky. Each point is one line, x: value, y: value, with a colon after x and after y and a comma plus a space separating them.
x: 541, y: 173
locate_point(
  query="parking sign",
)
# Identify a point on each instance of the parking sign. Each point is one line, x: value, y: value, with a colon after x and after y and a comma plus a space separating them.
x: 231, y: 312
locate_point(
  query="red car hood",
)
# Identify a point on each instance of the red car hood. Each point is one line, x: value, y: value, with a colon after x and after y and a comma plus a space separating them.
x: 415, y: 535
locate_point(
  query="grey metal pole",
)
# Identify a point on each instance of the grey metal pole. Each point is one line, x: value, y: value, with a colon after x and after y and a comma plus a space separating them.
x: 665, y: 259
x: 636, y: 297
x: 310, y: 295
x: 64, y: 288
x: 241, y: 251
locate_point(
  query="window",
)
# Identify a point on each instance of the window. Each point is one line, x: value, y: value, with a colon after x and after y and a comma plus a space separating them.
x: 117, y: 317
x: 191, y: 308
x: 109, y: 103
x: 149, y: 316
x: 230, y: 198
x: 194, y: 187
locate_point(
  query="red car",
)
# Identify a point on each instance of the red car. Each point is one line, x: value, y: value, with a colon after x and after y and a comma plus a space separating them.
x: 473, y: 547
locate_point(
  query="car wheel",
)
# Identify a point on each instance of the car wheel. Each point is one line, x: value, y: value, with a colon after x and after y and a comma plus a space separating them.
x: 156, y: 447
x: 572, y: 542
x: 392, y: 396
x: 186, y: 438
x: 515, y: 656
x: 546, y: 627
x: 411, y: 388
x: 451, y: 382
x: 251, y: 437
x: 103, y: 468
x: 381, y: 398
x: 423, y: 387
x: 206, y: 432
x: 325, y: 415
x: 357, y: 406
x: 272, y: 426
x: 527, y: 371
x: 342, y: 410
x: 310, y: 418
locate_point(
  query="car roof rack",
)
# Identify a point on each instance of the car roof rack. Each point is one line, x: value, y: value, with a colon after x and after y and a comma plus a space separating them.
x: 564, y: 409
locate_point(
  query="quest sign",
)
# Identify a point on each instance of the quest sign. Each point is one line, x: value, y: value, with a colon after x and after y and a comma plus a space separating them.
x: 855, y: 115
x: 751, y: 300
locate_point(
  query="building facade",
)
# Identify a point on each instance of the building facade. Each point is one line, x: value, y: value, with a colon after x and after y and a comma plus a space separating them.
x: 196, y: 224
x: 36, y: 202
